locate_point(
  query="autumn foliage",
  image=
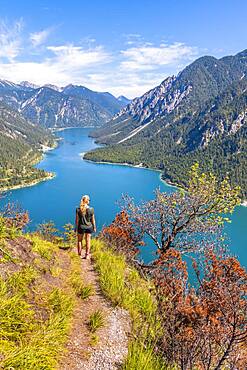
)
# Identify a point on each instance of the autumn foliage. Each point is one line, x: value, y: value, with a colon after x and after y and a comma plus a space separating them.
x: 204, y: 326
x: 14, y: 216
x: 122, y: 236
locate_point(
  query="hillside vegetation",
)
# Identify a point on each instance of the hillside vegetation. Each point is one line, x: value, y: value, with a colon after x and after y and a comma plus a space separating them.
x: 37, y: 300
x: 41, y: 286
x: 199, y: 115
x: 21, y: 144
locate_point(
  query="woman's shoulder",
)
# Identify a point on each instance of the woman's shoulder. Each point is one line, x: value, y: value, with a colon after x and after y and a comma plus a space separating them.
x: 91, y: 210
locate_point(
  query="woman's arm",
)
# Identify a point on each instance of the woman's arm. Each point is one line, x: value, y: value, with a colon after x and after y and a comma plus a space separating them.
x: 76, y: 221
x: 94, y: 223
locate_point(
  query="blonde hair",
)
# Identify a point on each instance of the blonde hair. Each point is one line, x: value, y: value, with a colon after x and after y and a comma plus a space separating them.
x: 84, y: 203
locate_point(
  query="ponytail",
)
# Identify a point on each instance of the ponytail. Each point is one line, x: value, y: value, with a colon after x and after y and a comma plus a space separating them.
x: 84, y: 204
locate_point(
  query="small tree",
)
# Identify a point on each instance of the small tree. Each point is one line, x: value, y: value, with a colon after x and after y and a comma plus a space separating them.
x: 185, y: 220
x: 48, y: 231
x: 13, y: 216
x: 69, y: 236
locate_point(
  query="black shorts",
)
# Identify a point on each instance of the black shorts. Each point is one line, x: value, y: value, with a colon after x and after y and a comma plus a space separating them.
x: 88, y: 230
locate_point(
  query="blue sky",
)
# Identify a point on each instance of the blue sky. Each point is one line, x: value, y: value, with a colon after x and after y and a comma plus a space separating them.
x: 124, y: 47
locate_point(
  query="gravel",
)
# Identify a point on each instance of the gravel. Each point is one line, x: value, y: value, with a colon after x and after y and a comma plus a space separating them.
x: 111, y: 354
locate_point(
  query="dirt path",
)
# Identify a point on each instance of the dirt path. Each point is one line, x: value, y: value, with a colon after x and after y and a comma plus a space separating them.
x: 110, y: 351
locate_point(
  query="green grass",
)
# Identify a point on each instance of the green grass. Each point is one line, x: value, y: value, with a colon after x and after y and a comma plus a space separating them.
x: 43, y: 347
x: 35, y: 318
x: 96, y: 321
x: 16, y: 317
x: 3, y: 229
x: 56, y: 271
x: 60, y: 302
x: 121, y: 284
x: 86, y: 291
x: 94, y: 340
x: 43, y: 248
x: 124, y: 287
x: 5, y: 254
x: 81, y: 290
x: 76, y: 279
x: 18, y: 282
x: 142, y: 357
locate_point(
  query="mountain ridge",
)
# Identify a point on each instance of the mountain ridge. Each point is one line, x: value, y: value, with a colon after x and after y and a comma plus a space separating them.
x: 52, y: 106
x: 188, y: 117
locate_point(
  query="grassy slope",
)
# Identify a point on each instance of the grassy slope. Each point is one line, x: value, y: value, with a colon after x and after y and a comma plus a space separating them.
x: 39, y: 284
x: 38, y: 287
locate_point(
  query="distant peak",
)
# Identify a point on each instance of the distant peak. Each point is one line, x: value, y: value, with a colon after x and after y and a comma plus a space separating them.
x: 123, y: 99
x: 120, y: 97
x: 53, y: 87
x: 71, y: 86
x: 29, y: 84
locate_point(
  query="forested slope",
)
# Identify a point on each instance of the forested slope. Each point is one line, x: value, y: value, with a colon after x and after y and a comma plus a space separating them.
x: 21, y: 144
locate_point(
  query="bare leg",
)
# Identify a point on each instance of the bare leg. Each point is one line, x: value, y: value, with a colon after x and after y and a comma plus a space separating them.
x: 79, y: 244
x: 88, y: 244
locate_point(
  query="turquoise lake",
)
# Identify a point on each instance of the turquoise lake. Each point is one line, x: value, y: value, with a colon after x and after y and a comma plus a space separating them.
x: 57, y: 199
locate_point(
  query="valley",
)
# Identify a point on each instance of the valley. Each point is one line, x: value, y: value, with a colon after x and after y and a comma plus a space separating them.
x: 27, y: 112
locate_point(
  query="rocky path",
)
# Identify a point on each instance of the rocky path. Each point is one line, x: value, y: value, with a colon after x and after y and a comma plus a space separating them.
x: 112, y: 347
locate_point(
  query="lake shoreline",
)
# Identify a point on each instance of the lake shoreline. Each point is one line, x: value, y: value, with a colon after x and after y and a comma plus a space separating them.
x: 32, y: 183
x: 48, y: 176
x: 166, y: 182
x: 68, y: 128
x: 46, y: 149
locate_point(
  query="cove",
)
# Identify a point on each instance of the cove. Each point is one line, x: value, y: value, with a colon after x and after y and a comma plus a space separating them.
x: 58, y: 198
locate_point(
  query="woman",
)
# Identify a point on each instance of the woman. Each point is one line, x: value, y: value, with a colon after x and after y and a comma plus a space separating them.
x: 85, y: 225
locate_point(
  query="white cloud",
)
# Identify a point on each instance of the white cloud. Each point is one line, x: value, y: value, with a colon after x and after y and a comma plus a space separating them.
x: 70, y: 56
x: 67, y: 64
x: 130, y: 84
x: 149, y: 57
x: 10, y: 40
x: 131, y: 71
x: 39, y: 38
x: 132, y: 38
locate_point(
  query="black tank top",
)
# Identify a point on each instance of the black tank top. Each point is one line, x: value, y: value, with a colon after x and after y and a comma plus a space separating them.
x: 85, y: 219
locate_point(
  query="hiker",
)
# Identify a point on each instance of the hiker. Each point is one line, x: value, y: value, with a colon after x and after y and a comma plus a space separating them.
x: 85, y: 225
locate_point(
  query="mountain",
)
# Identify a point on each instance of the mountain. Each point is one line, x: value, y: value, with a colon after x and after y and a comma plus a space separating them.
x: 52, y: 106
x: 103, y: 99
x: 29, y: 84
x: 198, y: 115
x: 21, y: 145
x: 53, y: 87
x: 123, y: 100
